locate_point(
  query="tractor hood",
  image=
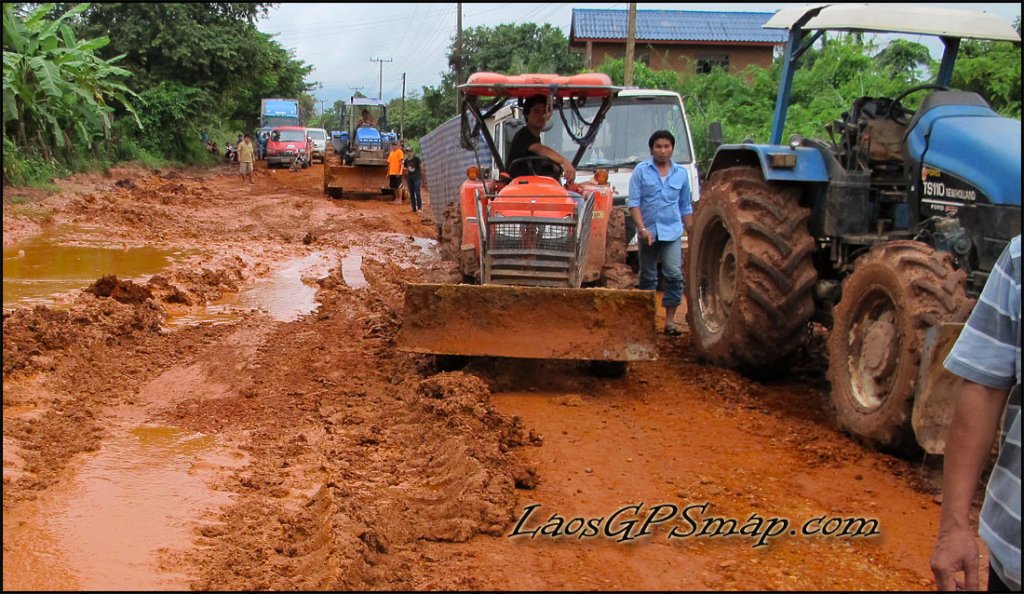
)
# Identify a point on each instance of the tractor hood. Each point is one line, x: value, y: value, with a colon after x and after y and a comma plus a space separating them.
x: 974, y: 144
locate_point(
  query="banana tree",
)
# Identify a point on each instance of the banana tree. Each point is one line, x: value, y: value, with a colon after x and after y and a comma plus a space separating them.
x: 56, y: 90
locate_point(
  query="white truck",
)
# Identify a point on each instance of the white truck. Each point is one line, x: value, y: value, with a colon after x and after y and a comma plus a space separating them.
x: 621, y: 144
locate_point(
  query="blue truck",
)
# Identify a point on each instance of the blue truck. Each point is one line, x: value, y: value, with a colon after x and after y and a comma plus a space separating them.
x: 275, y: 112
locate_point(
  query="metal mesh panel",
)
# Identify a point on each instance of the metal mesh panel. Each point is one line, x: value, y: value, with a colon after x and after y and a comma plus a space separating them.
x: 555, y: 236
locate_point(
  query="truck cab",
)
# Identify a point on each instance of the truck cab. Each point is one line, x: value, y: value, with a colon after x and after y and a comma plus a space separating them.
x: 285, y: 143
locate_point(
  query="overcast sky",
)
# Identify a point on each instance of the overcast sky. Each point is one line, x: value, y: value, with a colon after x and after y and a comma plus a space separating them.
x: 341, y: 41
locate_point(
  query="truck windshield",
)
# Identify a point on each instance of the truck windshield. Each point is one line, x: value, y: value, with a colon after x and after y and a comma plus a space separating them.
x: 622, y: 139
x: 288, y: 136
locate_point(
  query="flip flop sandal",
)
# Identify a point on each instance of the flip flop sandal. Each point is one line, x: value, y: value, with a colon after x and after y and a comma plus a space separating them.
x: 672, y: 331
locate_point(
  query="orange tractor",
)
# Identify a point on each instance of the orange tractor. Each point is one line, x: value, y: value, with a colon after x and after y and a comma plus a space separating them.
x: 532, y: 244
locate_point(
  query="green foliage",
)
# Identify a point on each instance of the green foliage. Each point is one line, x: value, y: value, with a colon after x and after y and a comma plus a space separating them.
x: 22, y: 169
x: 831, y: 78
x: 508, y: 49
x: 169, y: 119
x: 515, y: 49
x: 643, y: 76
x: 56, y: 89
x: 991, y: 69
x: 214, y: 47
x: 903, y: 59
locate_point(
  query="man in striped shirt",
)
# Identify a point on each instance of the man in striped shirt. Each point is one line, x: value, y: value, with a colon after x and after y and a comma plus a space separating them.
x: 987, y: 356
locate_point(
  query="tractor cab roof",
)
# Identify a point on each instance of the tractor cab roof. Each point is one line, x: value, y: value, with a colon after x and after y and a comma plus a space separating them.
x: 895, y: 18
x: 492, y: 84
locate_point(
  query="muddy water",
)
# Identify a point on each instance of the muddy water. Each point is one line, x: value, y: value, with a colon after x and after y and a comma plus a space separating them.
x: 42, y: 267
x: 286, y: 295
x: 352, y: 269
x: 110, y: 527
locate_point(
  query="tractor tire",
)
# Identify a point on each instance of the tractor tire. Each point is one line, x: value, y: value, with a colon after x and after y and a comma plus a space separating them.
x: 749, y: 273
x: 895, y: 293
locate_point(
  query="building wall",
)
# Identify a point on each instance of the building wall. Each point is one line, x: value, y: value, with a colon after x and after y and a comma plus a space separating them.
x: 682, y: 57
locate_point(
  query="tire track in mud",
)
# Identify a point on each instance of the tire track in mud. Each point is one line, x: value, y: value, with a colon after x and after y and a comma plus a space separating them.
x: 355, y: 458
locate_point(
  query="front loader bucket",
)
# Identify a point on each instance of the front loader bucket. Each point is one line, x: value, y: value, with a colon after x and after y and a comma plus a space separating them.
x: 354, y: 180
x: 935, y: 400
x: 529, y: 322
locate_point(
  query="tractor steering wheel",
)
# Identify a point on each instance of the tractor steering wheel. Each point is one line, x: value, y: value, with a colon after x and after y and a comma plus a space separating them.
x: 902, y: 115
x: 537, y: 165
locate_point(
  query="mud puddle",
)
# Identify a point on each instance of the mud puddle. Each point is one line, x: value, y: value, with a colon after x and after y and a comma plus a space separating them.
x: 47, y: 265
x: 128, y: 505
x: 286, y: 295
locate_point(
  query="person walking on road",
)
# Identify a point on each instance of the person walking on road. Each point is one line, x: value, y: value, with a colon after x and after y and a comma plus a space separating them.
x: 987, y: 357
x: 659, y: 203
x: 396, y: 159
x: 412, y: 178
x: 246, y: 158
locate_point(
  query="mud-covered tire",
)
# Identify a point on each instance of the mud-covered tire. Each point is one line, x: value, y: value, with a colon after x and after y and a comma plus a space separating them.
x: 749, y: 273
x: 895, y: 293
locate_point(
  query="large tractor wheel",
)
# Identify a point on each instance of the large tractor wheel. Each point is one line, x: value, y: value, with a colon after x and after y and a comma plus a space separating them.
x: 749, y: 273
x: 896, y: 292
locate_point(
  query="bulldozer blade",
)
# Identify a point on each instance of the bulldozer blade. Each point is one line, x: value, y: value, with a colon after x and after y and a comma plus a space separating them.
x: 352, y: 180
x: 529, y: 322
x: 935, y: 400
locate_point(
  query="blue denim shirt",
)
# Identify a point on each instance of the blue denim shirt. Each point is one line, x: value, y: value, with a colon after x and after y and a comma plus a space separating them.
x: 663, y: 204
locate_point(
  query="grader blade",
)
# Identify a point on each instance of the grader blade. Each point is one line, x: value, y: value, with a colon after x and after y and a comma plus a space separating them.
x: 935, y: 400
x: 354, y: 180
x: 529, y: 322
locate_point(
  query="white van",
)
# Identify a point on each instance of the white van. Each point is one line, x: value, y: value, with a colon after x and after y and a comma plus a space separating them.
x: 320, y: 140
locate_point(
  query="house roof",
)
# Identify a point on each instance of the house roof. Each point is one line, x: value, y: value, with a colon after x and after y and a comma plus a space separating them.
x: 675, y: 26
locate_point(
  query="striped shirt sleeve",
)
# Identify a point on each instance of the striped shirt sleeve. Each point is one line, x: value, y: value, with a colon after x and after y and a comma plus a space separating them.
x: 988, y: 350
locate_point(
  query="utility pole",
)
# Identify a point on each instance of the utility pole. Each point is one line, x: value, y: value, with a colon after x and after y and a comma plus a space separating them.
x: 627, y: 75
x: 401, y: 121
x: 380, y: 81
x: 458, y: 46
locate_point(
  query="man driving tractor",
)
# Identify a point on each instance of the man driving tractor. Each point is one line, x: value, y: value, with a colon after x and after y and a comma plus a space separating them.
x: 526, y: 143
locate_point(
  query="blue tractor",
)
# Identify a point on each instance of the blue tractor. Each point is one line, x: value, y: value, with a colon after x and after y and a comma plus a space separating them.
x: 885, y: 233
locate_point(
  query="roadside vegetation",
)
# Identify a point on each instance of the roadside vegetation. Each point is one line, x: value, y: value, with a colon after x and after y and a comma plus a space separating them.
x: 89, y: 85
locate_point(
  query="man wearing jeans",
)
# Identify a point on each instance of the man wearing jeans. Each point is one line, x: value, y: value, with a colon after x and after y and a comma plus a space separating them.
x: 659, y: 202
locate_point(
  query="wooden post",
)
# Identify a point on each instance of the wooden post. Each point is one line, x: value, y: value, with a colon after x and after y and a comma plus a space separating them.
x: 630, y: 45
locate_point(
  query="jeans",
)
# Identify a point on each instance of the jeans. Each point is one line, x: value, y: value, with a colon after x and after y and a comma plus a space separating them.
x: 414, y: 194
x: 671, y: 255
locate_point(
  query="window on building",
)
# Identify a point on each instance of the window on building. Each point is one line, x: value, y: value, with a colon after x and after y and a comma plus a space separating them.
x: 707, y: 62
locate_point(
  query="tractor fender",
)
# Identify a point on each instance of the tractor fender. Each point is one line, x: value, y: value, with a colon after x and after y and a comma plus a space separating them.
x: 810, y: 163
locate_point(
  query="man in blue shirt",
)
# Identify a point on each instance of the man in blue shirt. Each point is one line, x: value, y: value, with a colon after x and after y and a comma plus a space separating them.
x: 987, y: 356
x: 659, y: 202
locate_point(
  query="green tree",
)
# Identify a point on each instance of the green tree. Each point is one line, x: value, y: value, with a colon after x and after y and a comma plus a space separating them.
x: 56, y: 89
x: 903, y: 59
x: 508, y: 49
x: 212, y: 49
x: 991, y: 69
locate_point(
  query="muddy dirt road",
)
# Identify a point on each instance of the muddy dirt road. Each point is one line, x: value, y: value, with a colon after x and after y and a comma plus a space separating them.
x: 162, y: 432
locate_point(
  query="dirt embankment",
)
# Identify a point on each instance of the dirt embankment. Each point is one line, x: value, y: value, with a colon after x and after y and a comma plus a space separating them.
x: 356, y: 466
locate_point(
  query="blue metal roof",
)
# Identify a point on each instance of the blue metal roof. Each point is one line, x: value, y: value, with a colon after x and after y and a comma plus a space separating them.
x: 675, y: 25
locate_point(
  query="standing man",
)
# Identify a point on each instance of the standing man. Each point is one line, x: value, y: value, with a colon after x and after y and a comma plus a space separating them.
x: 412, y: 177
x: 987, y: 357
x: 526, y: 143
x: 246, y: 152
x: 659, y: 202
x: 396, y: 159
